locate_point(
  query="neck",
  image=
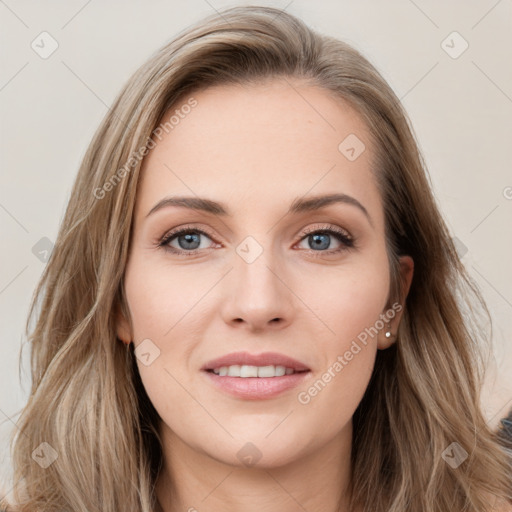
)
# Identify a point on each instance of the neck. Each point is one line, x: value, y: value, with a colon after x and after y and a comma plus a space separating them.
x: 193, y: 481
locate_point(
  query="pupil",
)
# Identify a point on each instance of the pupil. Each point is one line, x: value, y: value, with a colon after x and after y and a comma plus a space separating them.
x: 189, y: 239
x: 318, y: 241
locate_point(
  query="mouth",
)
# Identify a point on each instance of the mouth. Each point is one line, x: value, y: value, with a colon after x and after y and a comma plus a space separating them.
x: 248, y: 371
x: 243, y: 364
x: 255, y: 377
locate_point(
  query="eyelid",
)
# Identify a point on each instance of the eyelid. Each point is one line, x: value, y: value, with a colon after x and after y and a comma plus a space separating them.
x: 305, y: 231
x: 327, y: 227
x: 186, y: 227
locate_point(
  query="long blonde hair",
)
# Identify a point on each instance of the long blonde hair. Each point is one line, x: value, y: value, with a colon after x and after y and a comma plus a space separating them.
x: 87, y: 402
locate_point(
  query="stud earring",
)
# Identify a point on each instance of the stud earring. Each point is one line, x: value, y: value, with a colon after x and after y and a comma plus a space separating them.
x: 388, y: 332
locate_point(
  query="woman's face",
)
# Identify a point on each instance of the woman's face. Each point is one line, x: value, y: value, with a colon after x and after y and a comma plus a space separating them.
x: 267, y: 275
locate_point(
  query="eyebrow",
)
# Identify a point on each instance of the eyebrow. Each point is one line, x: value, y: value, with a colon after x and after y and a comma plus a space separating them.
x: 299, y: 205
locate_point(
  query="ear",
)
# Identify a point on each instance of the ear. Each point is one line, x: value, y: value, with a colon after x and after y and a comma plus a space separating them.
x: 123, y: 330
x: 392, y: 316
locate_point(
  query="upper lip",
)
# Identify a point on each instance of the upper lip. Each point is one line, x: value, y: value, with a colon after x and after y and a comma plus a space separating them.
x: 264, y: 359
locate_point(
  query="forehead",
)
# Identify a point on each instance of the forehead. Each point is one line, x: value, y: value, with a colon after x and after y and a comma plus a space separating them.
x: 265, y: 144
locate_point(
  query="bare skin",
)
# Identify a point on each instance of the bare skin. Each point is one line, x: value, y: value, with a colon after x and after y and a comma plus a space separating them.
x: 256, y: 149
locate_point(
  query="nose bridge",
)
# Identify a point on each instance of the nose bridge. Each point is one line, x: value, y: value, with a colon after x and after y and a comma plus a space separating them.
x: 255, y: 268
x: 258, y: 293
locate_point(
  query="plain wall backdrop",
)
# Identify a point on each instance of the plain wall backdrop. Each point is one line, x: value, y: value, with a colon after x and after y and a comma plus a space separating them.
x: 63, y: 63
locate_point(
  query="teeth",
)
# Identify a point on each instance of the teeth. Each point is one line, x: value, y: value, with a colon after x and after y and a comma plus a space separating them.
x: 252, y: 371
x: 234, y: 371
x: 264, y: 371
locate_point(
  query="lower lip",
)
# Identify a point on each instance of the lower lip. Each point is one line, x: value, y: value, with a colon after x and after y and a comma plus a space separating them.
x: 257, y: 388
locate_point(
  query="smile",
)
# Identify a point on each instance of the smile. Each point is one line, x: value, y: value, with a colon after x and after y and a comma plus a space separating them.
x: 245, y: 371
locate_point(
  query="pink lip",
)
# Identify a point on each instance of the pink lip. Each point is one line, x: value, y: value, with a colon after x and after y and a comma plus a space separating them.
x: 264, y: 359
x: 257, y: 388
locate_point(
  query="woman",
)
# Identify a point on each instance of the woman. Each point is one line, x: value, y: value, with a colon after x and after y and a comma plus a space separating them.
x: 253, y: 302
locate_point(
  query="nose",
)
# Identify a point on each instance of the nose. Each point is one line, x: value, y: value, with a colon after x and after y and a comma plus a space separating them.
x: 258, y: 295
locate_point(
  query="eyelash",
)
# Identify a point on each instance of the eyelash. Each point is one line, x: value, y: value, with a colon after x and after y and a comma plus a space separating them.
x: 346, y: 240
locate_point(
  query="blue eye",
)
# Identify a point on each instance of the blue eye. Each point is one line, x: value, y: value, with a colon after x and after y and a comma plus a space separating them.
x: 189, y: 241
x: 321, y: 238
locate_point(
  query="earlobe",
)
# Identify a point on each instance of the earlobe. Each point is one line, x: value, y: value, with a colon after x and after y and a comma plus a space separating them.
x: 386, y: 337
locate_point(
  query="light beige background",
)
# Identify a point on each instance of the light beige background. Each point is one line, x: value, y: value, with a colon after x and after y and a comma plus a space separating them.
x: 461, y: 109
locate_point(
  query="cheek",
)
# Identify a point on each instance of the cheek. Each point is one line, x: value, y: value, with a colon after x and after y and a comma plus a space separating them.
x: 350, y: 299
x: 357, y: 304
x: 352, y: 312
x: 166, y: 310
x: 162, y: 298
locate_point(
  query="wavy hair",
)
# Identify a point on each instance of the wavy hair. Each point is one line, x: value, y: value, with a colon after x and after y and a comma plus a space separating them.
x: 87, y: 401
